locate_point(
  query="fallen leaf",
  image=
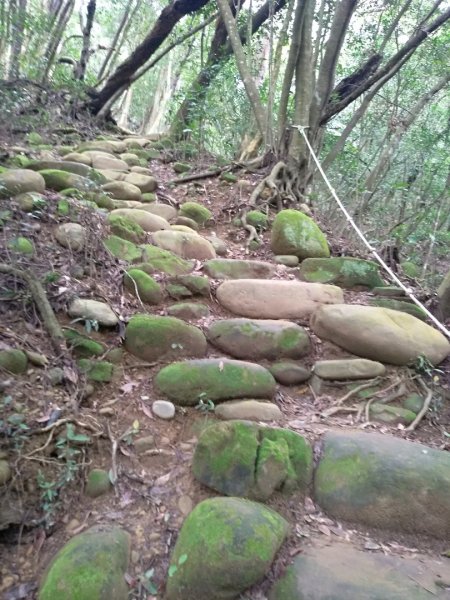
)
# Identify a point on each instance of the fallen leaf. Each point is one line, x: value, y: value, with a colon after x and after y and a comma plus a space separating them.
x: 128, y: 387
x: 324, y: 529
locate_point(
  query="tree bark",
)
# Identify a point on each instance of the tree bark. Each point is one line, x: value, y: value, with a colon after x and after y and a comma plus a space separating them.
x: 166, y: 21
x: 80, y: 70
x: 115, y: 42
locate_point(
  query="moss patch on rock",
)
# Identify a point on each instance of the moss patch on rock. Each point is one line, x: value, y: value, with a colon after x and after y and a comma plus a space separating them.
x: 100, y: 371
x: 82, y: 346
x: 185, y: 383
x: 344, y: 271
x: 91, y: 565
x: 122, y: 249
x: 142, y: 285
x: 233, y: 541
x: 98, y: 483
x: 13, y: 361
x: 21, y: 245
x: 198, y: 213
x: 162, y: 260
x: 295, y: 233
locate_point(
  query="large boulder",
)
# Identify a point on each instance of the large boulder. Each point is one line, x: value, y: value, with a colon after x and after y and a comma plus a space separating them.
x: 147, y: 221
x: 382, y: 481
x: 58, y: 180
x: 200, y: 214
x: 185, y: 383
x: 380, y: 334
x: 143, y: 182
x: 238, y: 458
x: 122, y: 249
x: 228, y: 268
x: 277, y: 299
x: 155, y: 338
x: 103, y: 160
x: 165, y: 211
x: 339, y: 572
x: 347, y: 272
x: 443, y: 294
x: 259, y: 339
x: 66, y: 165
x: 143, y: 286
x: 186, y: 245
x: 295, y: 233
x: 19, y: 181
x: 91, y: 565
x: 225, y: 546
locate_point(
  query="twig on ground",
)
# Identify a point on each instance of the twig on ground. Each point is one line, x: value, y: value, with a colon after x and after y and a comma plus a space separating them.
x: 423, y: 411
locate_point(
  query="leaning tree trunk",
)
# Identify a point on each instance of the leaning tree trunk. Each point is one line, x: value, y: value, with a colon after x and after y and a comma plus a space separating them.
x: 121, y: 78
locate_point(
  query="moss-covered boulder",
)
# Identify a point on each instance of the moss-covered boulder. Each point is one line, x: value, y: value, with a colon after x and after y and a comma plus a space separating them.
x: 178, y: 291
x: 156, y: 338
x: 156, y: 259
x: 60, y: 180
x: 259, y: 339
x: 180, y: 167
x: 406, y: 307
x: 143, y: 286
x: 143, y: 218
x: 13, y: 361
x: 229, y: 268
x: 382, y: 481
x: 238, y: 458
x: 100, y: 371
x: 126, y: 228
x: 344, y: 271
x: 185, y: 245
x: 21, y: 245
x: 30, y: 201
x: 187, y: 222
x: 81, y: 345
x: 195, y: 211
x: 295, y: 233
x: 339, y: 572
x: 257, y: 219
x: 389, y: 413
x: 380, y: 333
x: 225, y: 546
x: 122, y: 190
x: 20, y: 181
x: 91, y: 565
x: 98, y: 483
x: 122, y: 249
x: 185, y: 383
x: 69, y: 166
x: 197, y: 284
x: 410, y: 269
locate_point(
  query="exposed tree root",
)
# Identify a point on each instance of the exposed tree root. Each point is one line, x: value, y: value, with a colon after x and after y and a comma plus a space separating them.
x: 423, y: 411
x: 196, y: 176
x: 40, y: 298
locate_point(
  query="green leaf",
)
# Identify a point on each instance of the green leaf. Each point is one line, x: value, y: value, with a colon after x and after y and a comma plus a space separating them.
x: 172, y: 570
x: 182, y: 559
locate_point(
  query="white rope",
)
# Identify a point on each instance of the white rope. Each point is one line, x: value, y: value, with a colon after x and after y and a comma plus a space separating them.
x: 349, y: 218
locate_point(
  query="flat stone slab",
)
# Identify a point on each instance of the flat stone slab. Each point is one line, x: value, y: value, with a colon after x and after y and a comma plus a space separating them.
x: 382, y: 481
x: 339, y: 571
x: 348, y: 368
x: 345, y: 271
x: 229, y: 268
x: 259, y: 339
x: 380, y: 334
x: 263, y: 299
x: 249, y: 410
x: 215, y: 379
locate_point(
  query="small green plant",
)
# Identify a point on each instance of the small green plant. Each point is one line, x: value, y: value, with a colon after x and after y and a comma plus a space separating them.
x: 89, y: 324
x: 146, y: 582
x: 424, y: 367
x: 51, y: 277
x: 205, y: 405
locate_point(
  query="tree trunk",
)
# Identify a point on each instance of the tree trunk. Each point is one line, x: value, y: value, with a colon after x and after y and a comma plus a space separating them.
x: 166, y: 21
x: 56, y: 37
x: 80, y: 70
x: 17, y: 34
x: 246, y: 76
x: 115, y: 43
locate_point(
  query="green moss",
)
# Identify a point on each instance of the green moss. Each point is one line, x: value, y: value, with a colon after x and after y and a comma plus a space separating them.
x: 103, y: 201
x: 180, y: 167
x: 196, y: 284
x: 60, y: 180
x: 126, y: 229
x: 411, y: 269
x: 406, y: 307
x: 21, y: 245
x: 178, y: 291
x: 148, y: 197
x: 63, y: 208
x: 100, y: 371
x: 122, y: 249
x: 228, y: 177
x: 198, y: 213
x: 34, y: 138
x: 13, y: 361
x: 91, y: 565
x: 98, y: 483
x: 214, y: 379
x: 234, y: 541
x: 257, y: 219
x: 82, y: 346
x: 295, y: 233
x: 139, y: 283
x: 344, y: 271
x: 158, y: 259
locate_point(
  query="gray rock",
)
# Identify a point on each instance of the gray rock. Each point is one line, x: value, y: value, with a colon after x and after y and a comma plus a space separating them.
x: 71, y: 235
x: 229, y: 268
x: 163, y: 409
x: 248, y: 410
x: 93, y: 310
x: 289, y: 373
x: 348, y: 368
x: 288, y: 260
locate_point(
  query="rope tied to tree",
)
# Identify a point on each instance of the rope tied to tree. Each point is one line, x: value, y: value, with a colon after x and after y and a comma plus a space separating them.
x: 362, y: 237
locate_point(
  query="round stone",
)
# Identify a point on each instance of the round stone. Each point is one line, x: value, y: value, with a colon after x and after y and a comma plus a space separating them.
x: 163, y: 409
